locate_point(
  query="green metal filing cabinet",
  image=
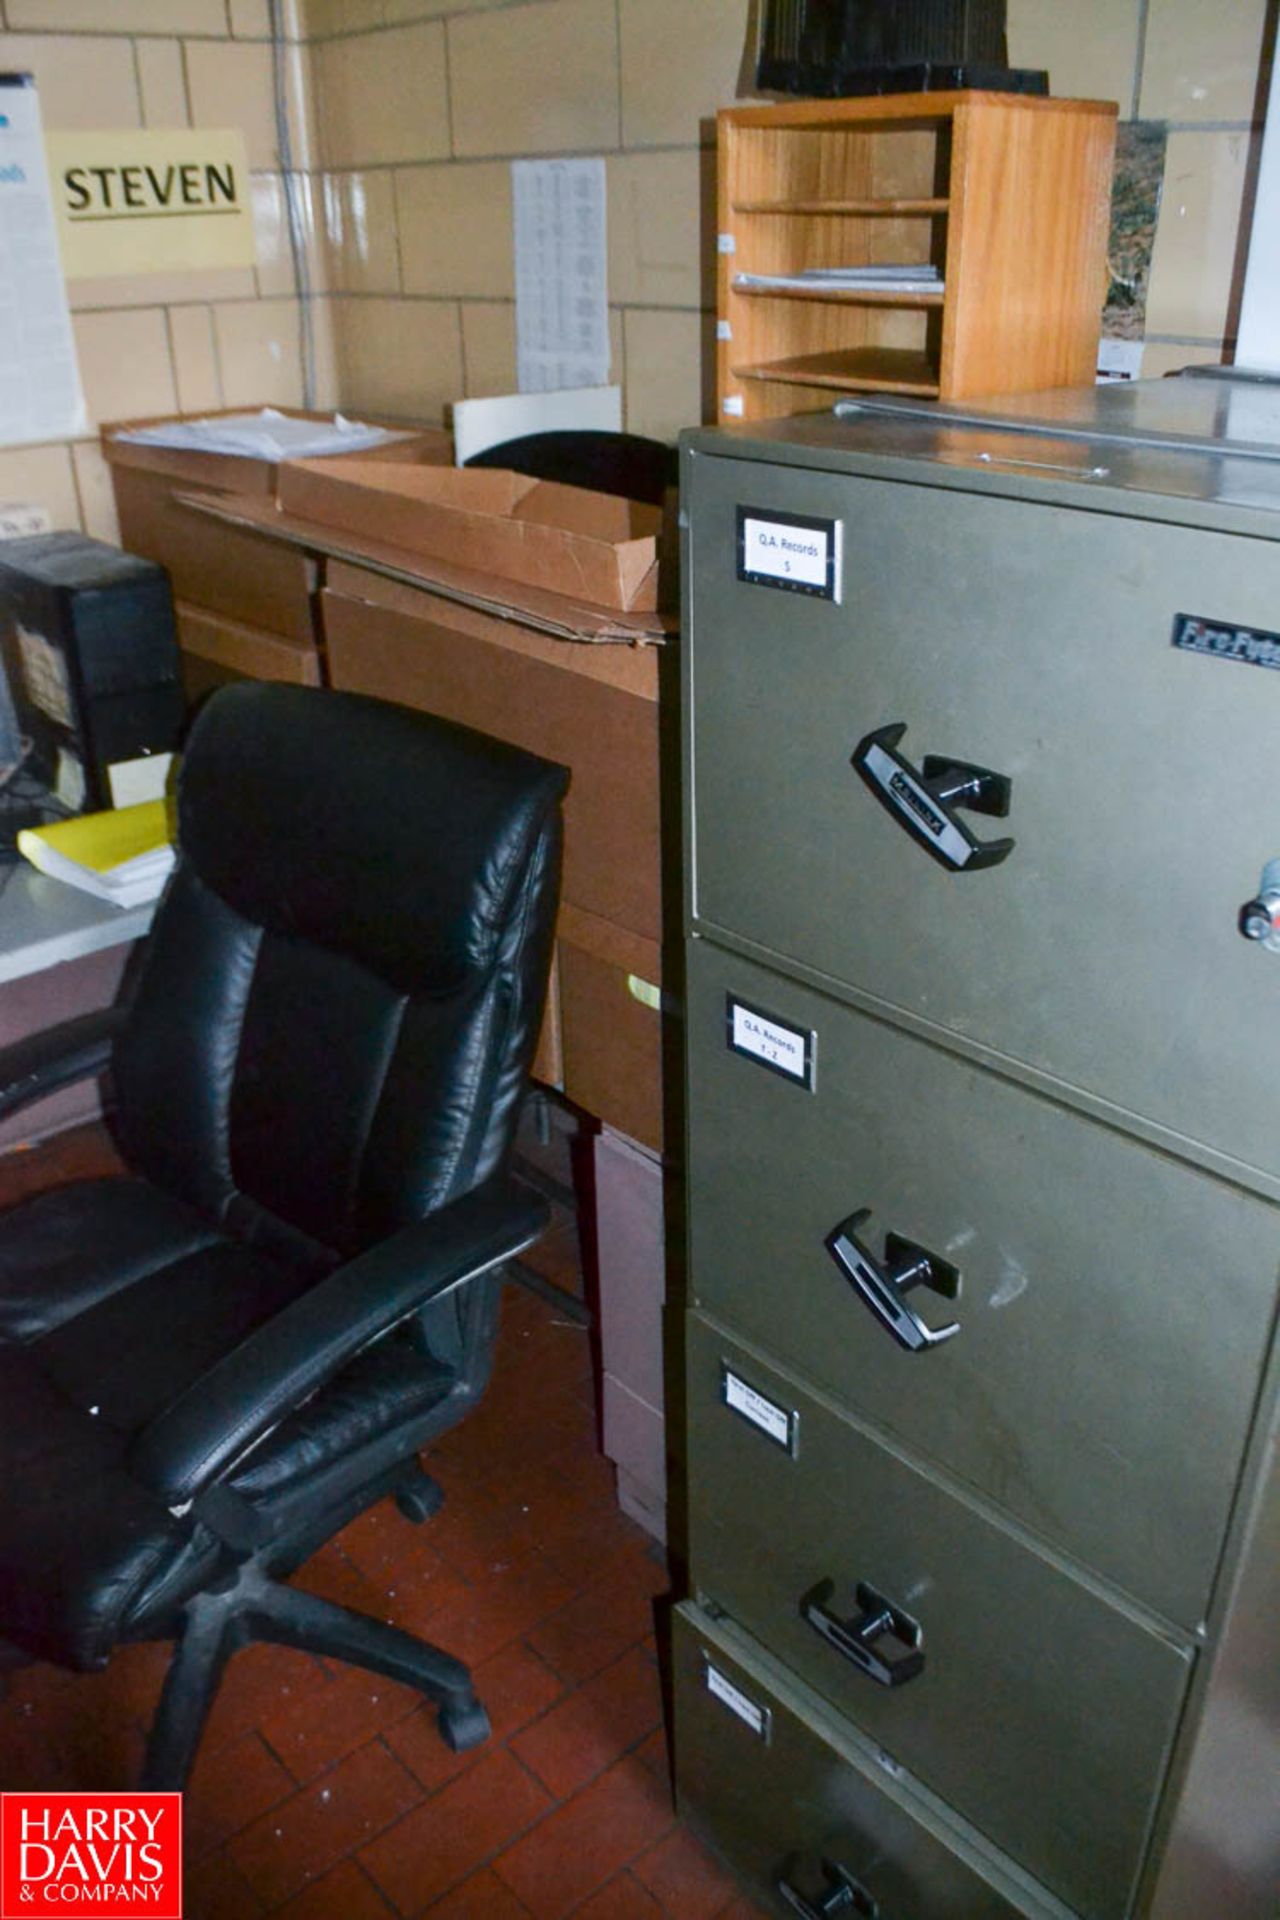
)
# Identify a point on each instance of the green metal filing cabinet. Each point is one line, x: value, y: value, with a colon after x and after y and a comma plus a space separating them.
x: 982, y: 732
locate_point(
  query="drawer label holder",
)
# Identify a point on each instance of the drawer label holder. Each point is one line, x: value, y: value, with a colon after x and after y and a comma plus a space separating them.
x: 775, y: 1422
x: 759, y: 1719
x: 789, y: 550
x: 770, y: 1042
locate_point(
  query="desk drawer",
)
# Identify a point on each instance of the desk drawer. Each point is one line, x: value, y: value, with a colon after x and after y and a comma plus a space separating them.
x: 1033, y: 641
x: 781, y: 1789
x: 1115, y: 1305
x: 1041, y: 1713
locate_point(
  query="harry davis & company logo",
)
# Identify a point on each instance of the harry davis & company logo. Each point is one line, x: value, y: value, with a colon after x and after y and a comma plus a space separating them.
x: 109, y: 1854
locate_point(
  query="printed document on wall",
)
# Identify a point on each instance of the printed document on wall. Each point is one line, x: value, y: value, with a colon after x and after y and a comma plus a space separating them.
x: 40, y: 397
x: 562, y: 317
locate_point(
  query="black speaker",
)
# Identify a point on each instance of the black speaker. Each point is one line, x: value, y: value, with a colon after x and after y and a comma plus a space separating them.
x: 831, y: 48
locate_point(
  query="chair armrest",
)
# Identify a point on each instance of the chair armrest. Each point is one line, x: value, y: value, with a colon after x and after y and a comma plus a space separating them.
x: 57, y: 1057
x: 280, y: 1364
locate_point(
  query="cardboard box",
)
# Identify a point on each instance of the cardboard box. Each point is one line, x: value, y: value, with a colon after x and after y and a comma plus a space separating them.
x: 593, y: 709
x: 611, y: 1025
x: 237, y: 575
x: 188, y: 467
x: 631, y: 1262
x: 548, y: 1061
x: 236, y: 572
x: 239, y: 652
x: 561, y: 539
x: 603, y: 1036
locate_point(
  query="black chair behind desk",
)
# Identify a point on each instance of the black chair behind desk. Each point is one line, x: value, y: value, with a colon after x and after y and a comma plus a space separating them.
x: 627, y: 464
x: 208, y: 1368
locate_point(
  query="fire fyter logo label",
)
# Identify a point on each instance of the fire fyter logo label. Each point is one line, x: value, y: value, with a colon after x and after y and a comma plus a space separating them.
x: 108, y: 1854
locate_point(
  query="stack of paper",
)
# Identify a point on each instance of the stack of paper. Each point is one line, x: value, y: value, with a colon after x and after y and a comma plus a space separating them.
x: 123, y: 855
x: 267, y: 435
x: 871, y: 279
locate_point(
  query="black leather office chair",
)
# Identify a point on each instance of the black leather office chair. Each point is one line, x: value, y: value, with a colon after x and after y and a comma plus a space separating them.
x: 208, y: 1368
x: 628, y: 464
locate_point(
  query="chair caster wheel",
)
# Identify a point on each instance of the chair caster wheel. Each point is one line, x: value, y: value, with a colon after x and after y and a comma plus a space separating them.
x: 420, y: 1501
x: 463, y: 1727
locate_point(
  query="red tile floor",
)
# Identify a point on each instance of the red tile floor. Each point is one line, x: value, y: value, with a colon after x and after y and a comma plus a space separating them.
x: 322, y: 1793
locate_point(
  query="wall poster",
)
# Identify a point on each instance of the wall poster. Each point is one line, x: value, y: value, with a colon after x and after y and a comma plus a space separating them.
x: 40, y: 395
x: 562, y: 318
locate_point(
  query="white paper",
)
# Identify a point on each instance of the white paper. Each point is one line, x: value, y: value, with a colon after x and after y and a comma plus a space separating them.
x: 757, y: 1718
x: 266, y: 435
x: 40, y: 396
x: 1119, y: 360
x: 562, y: 317
x: 753, y: 1406
x: 779, y: 551
x: 133, y: 781
x: 769, y: 1040
x: 816, y: 280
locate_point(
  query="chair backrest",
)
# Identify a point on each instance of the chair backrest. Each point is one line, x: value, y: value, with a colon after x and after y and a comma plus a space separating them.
x: 344, y: 983
x: 628, y: 464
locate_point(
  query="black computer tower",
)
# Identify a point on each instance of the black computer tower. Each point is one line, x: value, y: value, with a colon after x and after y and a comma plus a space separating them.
x: 91, y: 656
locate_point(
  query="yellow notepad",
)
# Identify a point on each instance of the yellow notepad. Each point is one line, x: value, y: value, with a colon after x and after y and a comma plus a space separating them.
x: 123, y: 854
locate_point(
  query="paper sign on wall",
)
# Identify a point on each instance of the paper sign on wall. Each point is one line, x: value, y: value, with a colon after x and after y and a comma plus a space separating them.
x: 40, y: 397
x: 562, y: 318
x: 151, y: 202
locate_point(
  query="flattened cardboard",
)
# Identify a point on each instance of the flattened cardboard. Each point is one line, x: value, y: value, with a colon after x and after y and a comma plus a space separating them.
x: 507, y: 600
x: 565, y: 540
x: 632, y: 669
x: 244, y: 652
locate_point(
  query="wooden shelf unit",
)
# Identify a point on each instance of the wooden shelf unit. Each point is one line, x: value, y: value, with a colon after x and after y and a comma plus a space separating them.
x: 1007, y: 195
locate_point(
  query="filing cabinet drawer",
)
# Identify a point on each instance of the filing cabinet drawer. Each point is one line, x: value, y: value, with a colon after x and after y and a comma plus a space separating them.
x: 1114, y: 1309
x: 1104, y: 950
x: 770, y: 1776
x: 1037, y: 1709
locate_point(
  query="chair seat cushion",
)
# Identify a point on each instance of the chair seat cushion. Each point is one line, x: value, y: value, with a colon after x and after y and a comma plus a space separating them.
x: 78, y: 1537
x: 114, y: 1299
x: 160, y: 1294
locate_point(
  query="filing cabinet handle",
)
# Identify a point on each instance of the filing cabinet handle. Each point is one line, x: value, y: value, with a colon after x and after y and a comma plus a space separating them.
x: 881, y: 1286
x: 843, y: 1894
x: 855, y: 1638
x: 924, y: 801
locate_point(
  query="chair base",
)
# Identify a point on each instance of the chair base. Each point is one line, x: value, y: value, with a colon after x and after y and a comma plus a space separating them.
x: 251, y: 1605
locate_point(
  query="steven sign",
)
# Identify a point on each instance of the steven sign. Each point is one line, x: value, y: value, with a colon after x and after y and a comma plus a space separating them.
x: 151, y: 202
